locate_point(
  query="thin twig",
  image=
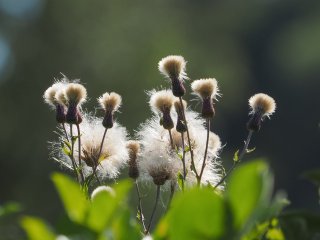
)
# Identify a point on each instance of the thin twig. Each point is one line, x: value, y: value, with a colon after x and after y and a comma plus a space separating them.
x: 74, y: 164
x: 65, y: 131
x: 154, y: 209
x: 188, y: 136
x: 183, y: 158
x: 205, y: 152
x: 140, y: 207
x: 171, y: 140
x: 235, y: 163
x: 79, y: 151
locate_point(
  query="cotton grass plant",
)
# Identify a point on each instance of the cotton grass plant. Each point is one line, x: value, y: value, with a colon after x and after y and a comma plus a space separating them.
x: 174, y: 150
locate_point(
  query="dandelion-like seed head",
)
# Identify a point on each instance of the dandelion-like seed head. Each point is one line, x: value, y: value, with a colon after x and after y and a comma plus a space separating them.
x: 49, y: 95
x: 161, y: 101
x: 173, y: 67
x: 206, y: 88
x: 75, y: 93
x: 262, y: 102
x: 110, y: 101
x: 133, y: 150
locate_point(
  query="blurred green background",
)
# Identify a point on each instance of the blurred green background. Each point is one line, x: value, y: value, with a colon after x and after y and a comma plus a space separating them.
x: 249, y: 46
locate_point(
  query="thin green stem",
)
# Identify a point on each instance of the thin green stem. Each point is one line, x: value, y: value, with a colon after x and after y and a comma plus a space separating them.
x: 172, y: 191
x: 188, y: 136
x: 183, y: 157
x: 235, y: 163
x: 154, y: 209
x: 74, y: 164
x: 205, y: 152
x: 65, y: 131
x: 79, y: 153
x: 140, y: 207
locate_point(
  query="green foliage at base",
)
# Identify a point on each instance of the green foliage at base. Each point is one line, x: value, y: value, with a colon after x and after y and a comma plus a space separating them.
x: 245, y: 210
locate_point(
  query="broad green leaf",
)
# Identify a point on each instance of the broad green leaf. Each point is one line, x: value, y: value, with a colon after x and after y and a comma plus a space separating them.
x: 36, y: 229
x: 249, y: 192
x: 105, y: 205
x: 125, y: 227
x: 196, y: 214
x: 73, y: 199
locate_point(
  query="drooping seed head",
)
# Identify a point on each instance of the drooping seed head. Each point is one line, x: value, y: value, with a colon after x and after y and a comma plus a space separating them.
x: 49, y: 95
x: 110, y: 101
x: 133, y: 150
x: 173, y: 67
x: 206, y: 88
x: 75, y: 93
x: 261, y: 102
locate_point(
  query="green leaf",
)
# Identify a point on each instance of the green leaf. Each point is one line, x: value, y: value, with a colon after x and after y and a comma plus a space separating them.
x: 125, y: 228
x: 9, y: 208
x: 196, y: 214
x: 73, y: 199
x: 236, y: 156
x: 313, y: 176
x: 180, y: 181
x: 36, y: 229
x: 105, y: 205
x: 249, y: 192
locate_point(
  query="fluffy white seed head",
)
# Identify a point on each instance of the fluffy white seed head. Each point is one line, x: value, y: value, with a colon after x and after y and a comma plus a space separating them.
x: 60, y: 96
x: 100, y: 189
x: 205, y: 88
x: 161, y: 101
x: 156, y: 152
x: 75, y: 93
x: 49, y: 95
x: 114, y: 154
x: 173, y: 66
x: 110, y: 101
x: 262, y: 102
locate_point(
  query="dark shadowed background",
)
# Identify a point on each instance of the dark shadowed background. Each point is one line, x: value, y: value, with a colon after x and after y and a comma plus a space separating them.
x: 252, y: 46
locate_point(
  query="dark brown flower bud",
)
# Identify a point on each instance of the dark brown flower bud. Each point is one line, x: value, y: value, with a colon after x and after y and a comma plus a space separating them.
x: 160, y: 175
x: 60, y: 113
x: 178, y: 89
x: 254, y: 123
x: 73, y: 114
x: 207, y: 108
x: 108, y: 119
x: 167, y: 121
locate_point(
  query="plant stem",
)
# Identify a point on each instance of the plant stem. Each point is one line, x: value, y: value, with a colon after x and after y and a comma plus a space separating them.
x: 188, y: 136
x: 79, y: 150
x: 171, y: 140
x: 172, y: 191
x: 140, y: 207
x: 74, y: 164
x: 183, y: 158
x: 65, y: 131
x: 235, y: 163
x: 205, y: 152
x: 154, y: 208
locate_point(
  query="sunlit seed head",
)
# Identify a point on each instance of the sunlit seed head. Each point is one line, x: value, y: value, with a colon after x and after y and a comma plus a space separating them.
x: 133, y: 150
x: 263, y: 103
x: 60, y: 96
x: 161, y: 101
x: 110, y: 101
x: 133, y: 147
x: 206, y: 88
x: 75, y: 93
x: 102, y: 189
x: 49, y: 95
x: 173, y: 67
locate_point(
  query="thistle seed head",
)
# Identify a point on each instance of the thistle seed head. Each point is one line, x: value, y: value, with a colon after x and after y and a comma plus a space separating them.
x: 173, y: 67
x: 133, y: 150
x: 263, y: 103
x: 110, y: 101
x: 75, y: 93
x: 206, y: 88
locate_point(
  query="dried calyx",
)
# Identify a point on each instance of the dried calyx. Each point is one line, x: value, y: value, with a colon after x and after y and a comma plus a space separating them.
x: 180, y: 109
x: 75, y: 95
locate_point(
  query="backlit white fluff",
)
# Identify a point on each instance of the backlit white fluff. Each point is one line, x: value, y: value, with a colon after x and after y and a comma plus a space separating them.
x: 156, y: 150
x: 114, y: 155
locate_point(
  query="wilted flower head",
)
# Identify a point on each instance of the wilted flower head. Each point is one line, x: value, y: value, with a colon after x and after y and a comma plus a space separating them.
x: 133, y: 150
x: 75, y: 95
x: 261, y: 105
x: 161, y: 102
x: 110, y: 102
x: 114, y: 154
x: 174, y: 68
x: 207, y: 90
